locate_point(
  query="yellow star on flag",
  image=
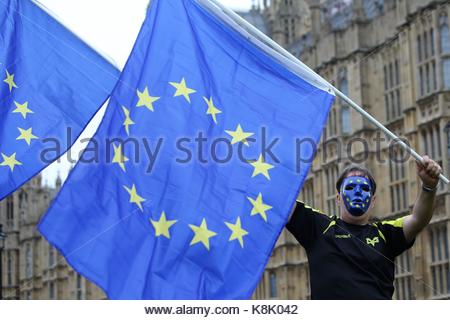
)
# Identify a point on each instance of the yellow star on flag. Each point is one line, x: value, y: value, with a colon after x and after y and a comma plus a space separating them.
x: 261, y: 167
x: 202, y: 234
x: 10, y: 161
x: 128, y: 121
x: 134, y: 197
x: 10, y: 81
x: 237, y: 232
x: 259, y: 207
x: 239, y: 135
x: 183, y: 90
x: 146, y: 100
x: 26, y: 135
x: 162, y: 226
x: 212, y: 109
x: 22, y: 108
x: 119, y: 157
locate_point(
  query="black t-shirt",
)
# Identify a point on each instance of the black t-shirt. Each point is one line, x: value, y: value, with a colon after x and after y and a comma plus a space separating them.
x: 348, y: 261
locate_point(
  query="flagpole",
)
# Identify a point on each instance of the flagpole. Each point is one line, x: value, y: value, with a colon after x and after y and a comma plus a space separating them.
x: 254, y: 32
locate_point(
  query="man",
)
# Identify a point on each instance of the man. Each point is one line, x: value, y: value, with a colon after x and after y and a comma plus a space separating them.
x: 350, y: 258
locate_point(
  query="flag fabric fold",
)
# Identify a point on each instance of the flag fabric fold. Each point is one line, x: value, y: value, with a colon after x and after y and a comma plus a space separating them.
x: 51, y: 83
x: 198, y: 214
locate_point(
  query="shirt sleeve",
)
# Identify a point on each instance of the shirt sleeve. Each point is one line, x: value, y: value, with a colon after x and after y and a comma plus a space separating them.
x: 303, y: 224
x: 394, y: 235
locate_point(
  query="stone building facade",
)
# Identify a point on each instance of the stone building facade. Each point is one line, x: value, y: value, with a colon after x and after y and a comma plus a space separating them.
x: 390, y: 56
x: 393, y: 58
x: 32, y: 269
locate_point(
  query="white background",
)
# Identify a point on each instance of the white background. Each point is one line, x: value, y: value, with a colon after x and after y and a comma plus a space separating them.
x: 307, y: 310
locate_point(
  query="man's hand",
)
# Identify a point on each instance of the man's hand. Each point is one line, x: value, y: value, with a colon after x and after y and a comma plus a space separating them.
x: 428, y: 171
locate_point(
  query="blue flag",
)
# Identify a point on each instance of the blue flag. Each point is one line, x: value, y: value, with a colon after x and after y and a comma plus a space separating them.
x: 51, y: 85
x: 197, y: 163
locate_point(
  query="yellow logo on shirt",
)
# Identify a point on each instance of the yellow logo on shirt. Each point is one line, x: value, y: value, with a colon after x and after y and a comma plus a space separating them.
x: 373, y: 241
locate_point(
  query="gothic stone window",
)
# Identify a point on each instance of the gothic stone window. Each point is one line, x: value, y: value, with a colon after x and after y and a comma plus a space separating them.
x: 307, y: 193
x: 52, y: 290
x: 439, y: 252
x: 398, y: 182
x: 444, y: 37
x: 9, y: 269
x: 431, y: 143
x: 426, y: 59
x: 273, y: 285
x: 51, y: 256
x: 331, y: 175
x: 403, y: 277
x: 28, y: 261
x: 346, y: 124
x: 331, y: 128
x: 23, y: 205
x: 392, y: 92
x: 80, y: 287
x: 10, y: 211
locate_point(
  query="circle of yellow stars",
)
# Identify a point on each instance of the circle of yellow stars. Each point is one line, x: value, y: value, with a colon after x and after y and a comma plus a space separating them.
x: 26, y: 135
x: 201, y: 233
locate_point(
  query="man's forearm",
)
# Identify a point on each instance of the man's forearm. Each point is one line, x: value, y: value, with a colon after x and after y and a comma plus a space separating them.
x: 421, y: 214
x: 428, y: 171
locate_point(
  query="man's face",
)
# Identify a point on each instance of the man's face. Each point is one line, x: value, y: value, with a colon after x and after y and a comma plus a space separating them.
x: 356, y: 195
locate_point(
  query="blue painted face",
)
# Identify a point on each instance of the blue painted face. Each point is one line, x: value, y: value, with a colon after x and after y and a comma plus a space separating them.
x: 357, y: 195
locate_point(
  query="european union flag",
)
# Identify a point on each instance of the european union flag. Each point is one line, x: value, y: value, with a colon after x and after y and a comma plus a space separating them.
x: 50, y: 82
x: 198, y: 214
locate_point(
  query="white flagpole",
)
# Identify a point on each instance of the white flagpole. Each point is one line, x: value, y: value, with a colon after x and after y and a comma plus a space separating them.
x: 254, y: 32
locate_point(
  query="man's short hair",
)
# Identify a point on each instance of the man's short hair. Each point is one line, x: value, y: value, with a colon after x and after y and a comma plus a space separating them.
x: 352, y: 168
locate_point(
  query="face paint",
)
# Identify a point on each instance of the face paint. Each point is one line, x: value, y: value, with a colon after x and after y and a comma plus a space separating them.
x: 357, y: 195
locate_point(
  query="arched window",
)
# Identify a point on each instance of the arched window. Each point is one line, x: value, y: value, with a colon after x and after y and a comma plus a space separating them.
x: 9, y: 269
x: 10, y: 211
x: 343, y: 81
x: 419, y: 48
x: 23, y: 200
x: 425, y: 44
x: 51, y: 289
x: 334, y: 122
x: 28, y: 261
x: 51, y: 256
x: 444, y: 34
x: 446, y: 71
x: 79, y: 288
x: 439, y: 244
x: 373, y: 8
x: 445, y: 241
x: 432, y: 42
x: 346, y: 120
x: 23, y: 205
x: 345, y: 110
x: 273, y: 285
x: 447, y: 132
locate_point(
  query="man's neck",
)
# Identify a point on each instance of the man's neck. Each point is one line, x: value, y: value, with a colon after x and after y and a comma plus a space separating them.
x: 361, y: 221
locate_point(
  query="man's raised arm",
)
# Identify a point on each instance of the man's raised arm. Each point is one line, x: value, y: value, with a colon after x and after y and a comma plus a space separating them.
x: 428, y: 172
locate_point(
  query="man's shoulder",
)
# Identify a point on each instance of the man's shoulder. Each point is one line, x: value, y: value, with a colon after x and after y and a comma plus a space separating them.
x: 390, y: 223
x: 301, y: 206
